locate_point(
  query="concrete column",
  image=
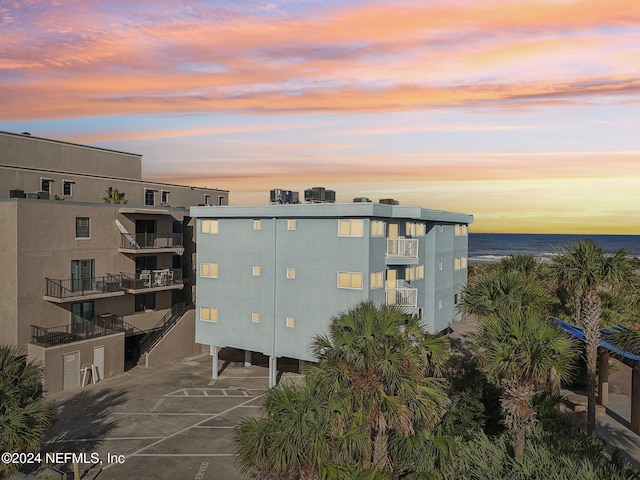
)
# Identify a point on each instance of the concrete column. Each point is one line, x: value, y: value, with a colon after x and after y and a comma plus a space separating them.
x: 635, y: 399
x: 603, y: 378
x: 247, y: 358
x: 213, y: 350
x: 273, y: 371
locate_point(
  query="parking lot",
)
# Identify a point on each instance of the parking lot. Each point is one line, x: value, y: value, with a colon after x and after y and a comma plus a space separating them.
x: 168, y: 422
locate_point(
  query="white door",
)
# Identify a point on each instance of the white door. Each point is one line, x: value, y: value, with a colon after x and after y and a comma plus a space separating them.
x: 98, y: 363
x: 71, y: 370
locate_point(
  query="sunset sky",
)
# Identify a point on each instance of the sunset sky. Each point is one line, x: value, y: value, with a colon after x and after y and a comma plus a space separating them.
x: 524, y: 113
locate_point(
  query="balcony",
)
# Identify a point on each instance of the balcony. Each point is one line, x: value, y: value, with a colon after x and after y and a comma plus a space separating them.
x: 152, y: 281
x: 151, y: 243
x: 402, y: 251
x: 98, y: 327
x: 402, y: 296
x: 82, y: 289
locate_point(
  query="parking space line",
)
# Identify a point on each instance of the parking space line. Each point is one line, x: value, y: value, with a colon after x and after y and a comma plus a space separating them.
x: 210, y: 417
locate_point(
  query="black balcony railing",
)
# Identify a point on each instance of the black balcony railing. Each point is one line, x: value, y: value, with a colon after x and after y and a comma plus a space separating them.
x: 138, y: 241
x: 155, y: 334
x: 78, y: 287
x: 151, y: 279
x: 97, y: 327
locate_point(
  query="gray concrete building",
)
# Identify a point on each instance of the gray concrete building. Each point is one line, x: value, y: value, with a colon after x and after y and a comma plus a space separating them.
x: 91, y: 275
x: 271, y: 277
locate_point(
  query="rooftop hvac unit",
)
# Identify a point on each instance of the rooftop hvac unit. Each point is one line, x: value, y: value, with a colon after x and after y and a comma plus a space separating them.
x: 17, y: 193
x: 330, y: 196
x: 388, y: 201
x: 319, y: 195
x: 43, y: 195
x: 279, y: 196
x: 361, y: 200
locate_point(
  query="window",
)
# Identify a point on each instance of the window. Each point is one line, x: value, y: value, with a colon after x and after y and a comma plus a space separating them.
x: 440, y: 265
x: 421, y: 230
x: 145, y: 301
x: 67, y: 188
x: 440, y: 304
x: 209, y: 270
x: 291, y: 224
x: 457, y: 263
x: 45, y: 184
x: 206, y: 199
x: 82, y: 227
x: 376, y: 280
x: 291, y: 322
x: 209, y: 226
x: 257, y: 224
x: 457, y: 298
x: 463, y: 262
x: 221, y: 200
x: 461, y: 230
x: 441, y: 228
x: 149, y: 197
x: 350, y: 280
x: 350, y: 228
x: 257, y: 270
x: 209, y: 314
x: 377, y: 228
x: 419, y: 272
x: 409, y: 273
x: 411, y: 229
x: 255, y: 317
x: 291, y: 273
x: 164, y: 198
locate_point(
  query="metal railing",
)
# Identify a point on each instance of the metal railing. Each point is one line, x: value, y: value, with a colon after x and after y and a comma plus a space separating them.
x: 151, y: 279
x: 402, y: 247
x: 159, y: 330
x: 402, y: 297
x: 137, y: 241
x: 97, y: 327
x: 77, y: 287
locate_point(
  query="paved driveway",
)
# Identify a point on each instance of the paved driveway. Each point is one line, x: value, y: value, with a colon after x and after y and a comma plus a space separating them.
x: 169, y: 422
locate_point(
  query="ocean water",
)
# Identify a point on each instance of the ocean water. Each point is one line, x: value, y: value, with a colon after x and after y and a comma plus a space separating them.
x: 486, y: 247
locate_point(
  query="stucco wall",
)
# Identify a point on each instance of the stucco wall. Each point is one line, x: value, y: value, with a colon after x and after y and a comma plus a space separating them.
x: 177, y: 344
x: 52, y: 358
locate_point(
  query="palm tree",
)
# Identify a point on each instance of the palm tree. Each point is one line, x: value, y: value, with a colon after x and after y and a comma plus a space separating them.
x: 523, y: 353
x: 502, y: 291
x: 114, y: 196
x: 585, y: 270
x: 24, y: 415
x: 365, y: 409
x: 378, y: 361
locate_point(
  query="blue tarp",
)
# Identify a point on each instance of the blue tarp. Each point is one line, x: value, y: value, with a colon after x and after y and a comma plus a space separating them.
x: 579, y: 334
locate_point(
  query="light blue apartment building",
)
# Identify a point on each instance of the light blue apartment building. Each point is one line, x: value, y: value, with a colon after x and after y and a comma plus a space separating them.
x: 271, y: 277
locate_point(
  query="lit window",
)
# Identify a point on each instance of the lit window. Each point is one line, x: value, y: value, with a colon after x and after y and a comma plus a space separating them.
x: 376, y: 280
x: 419, y: 271
x: 291, y: 224
x: 350, y: 280
x: 456, y: 264
x: 350, y: 228
x: 82, y: 227
x: 255, y: 317
x: 209, y: 314
x: 421, y: 230
x: 291, y: 273
x: 377, y: 228
x: 209, y: 226
x: 463, y: 262
x: 256, y: 270
x: 409, y: 273
x: 291, y: 322
x: 209, y: 270
x: 257, y: 224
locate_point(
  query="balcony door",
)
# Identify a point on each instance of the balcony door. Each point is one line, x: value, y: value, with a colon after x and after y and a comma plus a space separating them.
x: 81, y: 315
x: 81, y: 274
x: 145, y: 232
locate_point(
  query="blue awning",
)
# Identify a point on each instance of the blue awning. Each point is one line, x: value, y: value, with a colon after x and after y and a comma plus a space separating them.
x: 579, y: 334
